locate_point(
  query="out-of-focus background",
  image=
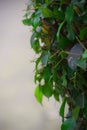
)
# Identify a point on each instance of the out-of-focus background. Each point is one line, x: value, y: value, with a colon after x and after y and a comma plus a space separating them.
x: 19, y: 109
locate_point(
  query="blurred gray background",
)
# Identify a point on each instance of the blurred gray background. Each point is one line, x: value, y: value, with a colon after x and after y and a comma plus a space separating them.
x: 19, y: 109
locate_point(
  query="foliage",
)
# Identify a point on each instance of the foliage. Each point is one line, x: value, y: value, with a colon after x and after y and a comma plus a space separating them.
x: 59, y: 38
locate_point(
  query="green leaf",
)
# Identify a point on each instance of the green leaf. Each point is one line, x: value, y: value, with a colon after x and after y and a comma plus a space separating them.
x: 32, y: 39
x: 47, y: 73
x: 45, y: 60
x: 35, y: 45
x: 80, y: 100
x: 56, y: 94
x: 26, y: 22
x: 63, y: 43
x: 71, y: 35
x: 84, y: 18
x: 78, y: 2
x: 37, y: 77
x: 36, y: 22
x: 69, y: 14
x: 75, y: 113
x: 46, y: 12
x: 85, y: 110
x: 68, y: 124
x: 59, y: 29
x: 35, y: 42
x: 62, y: 1
x: 38, y: 94
x: 62, y: 108
x: 55, y: 72
x: 36, y: 19
x: 82, y: 63
x: 47, y: 90
x: 58, y: 14
x: 84, y: 54
x: 63, y: 78
x: 45, y: 57
x: 48, y: 2
x: 83, y: 33
x: 37, y: 62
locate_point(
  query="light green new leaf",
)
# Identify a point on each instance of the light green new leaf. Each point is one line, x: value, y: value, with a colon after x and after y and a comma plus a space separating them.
x: 26, y: 22
x: 38, y: 94
x: 46, y: 12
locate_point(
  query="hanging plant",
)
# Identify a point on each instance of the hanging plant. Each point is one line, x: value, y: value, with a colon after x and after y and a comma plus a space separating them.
x: 59, y: 38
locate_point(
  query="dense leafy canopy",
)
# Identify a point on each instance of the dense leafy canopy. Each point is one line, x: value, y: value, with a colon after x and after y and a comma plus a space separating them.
x: 59, y: 37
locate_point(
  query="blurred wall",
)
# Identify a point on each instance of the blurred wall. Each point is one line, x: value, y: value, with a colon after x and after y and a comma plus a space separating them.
x: 18, y: 108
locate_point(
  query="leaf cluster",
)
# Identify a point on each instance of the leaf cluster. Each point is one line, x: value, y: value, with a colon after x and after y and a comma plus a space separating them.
x: 59, y: 38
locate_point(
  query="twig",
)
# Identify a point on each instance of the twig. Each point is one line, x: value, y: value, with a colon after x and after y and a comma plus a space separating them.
x: 75, y: 54
x: 58, y: 63
x: 80, y: 43
x: 55, y: 54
